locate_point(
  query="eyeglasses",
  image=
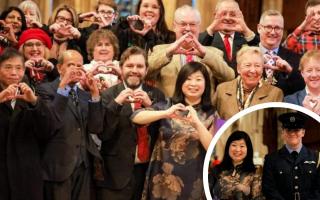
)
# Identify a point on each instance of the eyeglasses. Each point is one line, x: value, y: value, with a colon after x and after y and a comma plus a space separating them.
x: 276, y: 29
x: 31, y: 44
x: 184, y: 24
x: 104, y: 12
x: 63, y: 19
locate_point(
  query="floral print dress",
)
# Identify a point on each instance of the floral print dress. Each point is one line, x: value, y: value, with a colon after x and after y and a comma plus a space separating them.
x: 175, y: 170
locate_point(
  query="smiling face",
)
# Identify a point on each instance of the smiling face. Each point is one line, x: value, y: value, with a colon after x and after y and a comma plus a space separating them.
x: 15, y: 19
x: 134, y: 70
x: 271, y: 39
x: 311, y: 73
x: 11, y: 71
x: 250, y: 69
x: 33, y: 49
x: 228, y: 10
x: 293, y: 137
x: 194, y: 86
x: 103, y: 50
x: 238, y: 151
x: 150, y: 11
x: 107, y: 12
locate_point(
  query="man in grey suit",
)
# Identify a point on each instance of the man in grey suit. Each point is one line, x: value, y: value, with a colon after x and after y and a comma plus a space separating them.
x: 66, y: 157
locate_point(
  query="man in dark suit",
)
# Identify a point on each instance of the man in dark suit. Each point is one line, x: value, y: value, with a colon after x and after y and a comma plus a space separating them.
x: 25, y: 122
x: 125, y: 163
x: 292, y: 173
x: 228, y: 31
x: 66, y: 157
x: 282, y: 68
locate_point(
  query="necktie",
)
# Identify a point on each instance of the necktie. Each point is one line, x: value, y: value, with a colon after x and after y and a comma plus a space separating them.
x: 74, y: 97
x: 227, y: 46
x: 270, y: 61
x: 294, y: 155
x: 142, y: 139
x: 189, y: 58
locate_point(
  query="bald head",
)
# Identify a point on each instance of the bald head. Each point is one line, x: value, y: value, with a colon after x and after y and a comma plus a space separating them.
x: 227, y: 4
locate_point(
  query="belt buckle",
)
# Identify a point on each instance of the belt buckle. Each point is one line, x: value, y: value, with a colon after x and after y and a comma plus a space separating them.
x: 297, y: 196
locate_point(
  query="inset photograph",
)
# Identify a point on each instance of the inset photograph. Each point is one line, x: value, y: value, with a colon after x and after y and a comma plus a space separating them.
x: 270, y: 153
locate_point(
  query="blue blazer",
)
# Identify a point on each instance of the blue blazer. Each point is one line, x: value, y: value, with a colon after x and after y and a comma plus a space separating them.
x: 296, y: 98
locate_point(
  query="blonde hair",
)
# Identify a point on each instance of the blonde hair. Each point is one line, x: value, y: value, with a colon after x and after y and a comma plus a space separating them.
x: 311, y: 54
x: 247, y: 49
x: 71, y: 10
x: 31, y: 5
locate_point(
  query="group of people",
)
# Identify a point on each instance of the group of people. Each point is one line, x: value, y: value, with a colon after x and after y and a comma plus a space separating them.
x: 292, y: 172
x: 126, y: 108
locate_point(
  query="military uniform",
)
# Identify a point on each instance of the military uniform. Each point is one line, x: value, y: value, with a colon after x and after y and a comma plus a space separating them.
x: 291, y: 176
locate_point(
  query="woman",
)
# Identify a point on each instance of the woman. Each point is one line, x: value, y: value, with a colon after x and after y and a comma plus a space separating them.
x: 63, y: 24
x: 146, y: 29
x: 12, y: 23
x: 103, y: 49
x: 175, y: 170
x: 248, y: 88
x: 310, y: 71
x: 236, y: 177
x: 32, y: 14
x: 35, y: 45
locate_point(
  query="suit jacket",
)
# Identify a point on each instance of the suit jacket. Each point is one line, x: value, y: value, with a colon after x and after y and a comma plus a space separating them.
x: 226, y: 103
x: 281, y: 174
x: 22, y: 129
x: 296, y: 98
x: 164, y: 70
x: 72, y: 140
x: 119, y: 136
x: 217, y: 41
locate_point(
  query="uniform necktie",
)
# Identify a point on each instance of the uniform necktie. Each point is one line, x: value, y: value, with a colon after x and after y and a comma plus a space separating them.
x: 227, y: 46
x: 294, y: 155
x: 142, y: 139
x: 74, y: 97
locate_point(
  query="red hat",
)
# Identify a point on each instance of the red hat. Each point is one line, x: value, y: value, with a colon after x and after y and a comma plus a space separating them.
x: 35, y: 33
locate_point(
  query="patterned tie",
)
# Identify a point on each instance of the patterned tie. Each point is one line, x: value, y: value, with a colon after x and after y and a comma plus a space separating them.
x: 142, y: 139
x: 227, y: 46
x: 74, y: 97
x: 270, y: 61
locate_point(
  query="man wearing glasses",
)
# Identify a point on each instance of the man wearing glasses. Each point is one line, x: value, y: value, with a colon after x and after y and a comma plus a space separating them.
x: 281, y: 65
x: 292, y: 173
x: 166, y: 60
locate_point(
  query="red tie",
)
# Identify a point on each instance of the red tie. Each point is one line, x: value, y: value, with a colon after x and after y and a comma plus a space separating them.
x: 227, y: 46
x: 142, y: 139
x: 189, y: 58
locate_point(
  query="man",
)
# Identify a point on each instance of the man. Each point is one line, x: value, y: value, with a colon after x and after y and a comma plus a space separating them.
x: 228, y: 31
x: 309, y: 97
x: 166, y: 60
x: 125, y: 157
x: 66, y: 157
x: 291, y: 173
x: 307, y: 35
x: 25, y: 122
x: 281, y: 64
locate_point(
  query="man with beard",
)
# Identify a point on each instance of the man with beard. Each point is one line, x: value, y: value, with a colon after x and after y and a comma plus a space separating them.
x: 67, y: 156
x: 307, y: 35
x: 125, y: 148
x: 292, y: 172
x: 228, y: 31
x: 166, y: 60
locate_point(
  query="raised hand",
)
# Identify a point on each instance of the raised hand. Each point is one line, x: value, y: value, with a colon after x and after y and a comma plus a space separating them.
x: 72, y: 75
x: 91, y: 84
x: 175, y: 111
x: 280, y: 65
x: 8, y: 32
x: 125, y: 96
x: 9, y: 93
x: 140, y: 95
x: 146, y: 24
x: 312, y: 103
x: 26, y: 93
x: 308, y: 22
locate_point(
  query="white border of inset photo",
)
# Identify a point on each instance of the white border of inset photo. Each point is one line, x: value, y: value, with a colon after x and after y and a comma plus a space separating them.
x: 235, y: 118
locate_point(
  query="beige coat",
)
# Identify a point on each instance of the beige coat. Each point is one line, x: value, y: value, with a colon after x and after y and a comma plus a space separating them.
x: 164, y: 70
x: 225, y: 98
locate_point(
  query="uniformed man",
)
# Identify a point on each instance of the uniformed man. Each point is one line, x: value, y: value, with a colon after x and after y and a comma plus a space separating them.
x: 291, y: 173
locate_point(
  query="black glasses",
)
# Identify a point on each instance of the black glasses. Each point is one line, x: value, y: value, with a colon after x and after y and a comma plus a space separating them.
x: 276, y: 29
x: 62, y: 19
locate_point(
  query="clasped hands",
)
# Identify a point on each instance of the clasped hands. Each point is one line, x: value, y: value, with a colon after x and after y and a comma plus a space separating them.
x: 18, y: 91
x: 279, y: 63
x: 62, y: 31
x: 6, y: 31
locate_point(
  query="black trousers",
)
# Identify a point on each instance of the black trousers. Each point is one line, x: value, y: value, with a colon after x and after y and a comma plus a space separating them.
x: 132, y: 191
x: 76, y: 187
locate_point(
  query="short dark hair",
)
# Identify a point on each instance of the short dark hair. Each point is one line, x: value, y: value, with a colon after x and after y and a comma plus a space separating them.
x: 184, y: 73
x: 311, y: 3
x: 134, y: 50
x: 247, y: 165
x: 23, y: 18
x: 9, y: 53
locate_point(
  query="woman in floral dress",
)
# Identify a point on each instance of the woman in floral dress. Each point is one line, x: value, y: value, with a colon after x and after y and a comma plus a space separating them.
x: 187, y: 124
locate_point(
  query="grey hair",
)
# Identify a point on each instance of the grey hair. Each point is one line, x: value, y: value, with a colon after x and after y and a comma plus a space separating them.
x: 222, y: 1
x: 186, y: 9
x: 28, y: 4
x: 270, y: 13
